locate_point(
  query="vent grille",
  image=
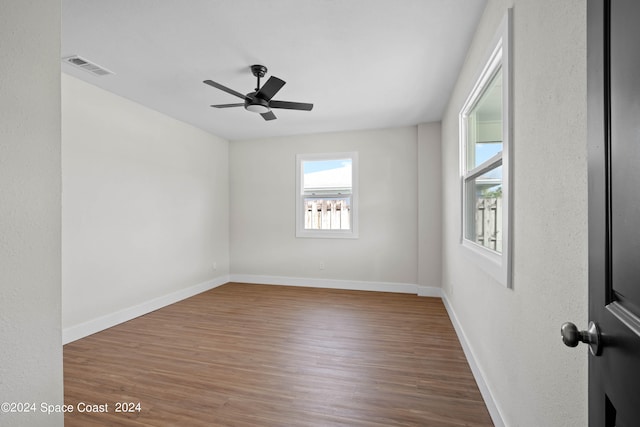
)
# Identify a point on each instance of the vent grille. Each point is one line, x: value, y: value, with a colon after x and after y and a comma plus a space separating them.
x: 86, y: 65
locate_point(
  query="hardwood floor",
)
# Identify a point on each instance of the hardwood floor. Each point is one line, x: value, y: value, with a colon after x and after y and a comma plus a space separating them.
x: 258, y: 355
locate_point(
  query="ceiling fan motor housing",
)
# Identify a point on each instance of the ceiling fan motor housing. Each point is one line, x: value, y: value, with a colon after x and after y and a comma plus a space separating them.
x: 256, y: 105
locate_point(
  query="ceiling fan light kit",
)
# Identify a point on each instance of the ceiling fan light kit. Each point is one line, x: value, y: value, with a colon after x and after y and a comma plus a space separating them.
x: 257, y: 105
x: 260, y: 101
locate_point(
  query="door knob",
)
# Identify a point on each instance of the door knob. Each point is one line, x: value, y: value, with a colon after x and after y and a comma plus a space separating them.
x: 571, y: 337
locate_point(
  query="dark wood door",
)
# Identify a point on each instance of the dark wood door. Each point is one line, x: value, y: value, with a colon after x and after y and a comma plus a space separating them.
x: 613, y: 70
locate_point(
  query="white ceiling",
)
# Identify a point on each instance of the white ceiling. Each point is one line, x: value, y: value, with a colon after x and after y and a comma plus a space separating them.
x: 364, y: 64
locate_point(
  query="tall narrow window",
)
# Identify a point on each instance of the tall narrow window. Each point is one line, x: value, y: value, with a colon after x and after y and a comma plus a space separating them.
x: 326, y: 202
x: 485, y: 139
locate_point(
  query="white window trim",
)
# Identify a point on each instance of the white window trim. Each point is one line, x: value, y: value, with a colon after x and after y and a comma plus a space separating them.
x: 340, y: 234
x: 498, y: 265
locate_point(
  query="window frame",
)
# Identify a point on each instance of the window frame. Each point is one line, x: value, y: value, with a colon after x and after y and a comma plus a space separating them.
x: 497, y: 264
x: 301, y: 231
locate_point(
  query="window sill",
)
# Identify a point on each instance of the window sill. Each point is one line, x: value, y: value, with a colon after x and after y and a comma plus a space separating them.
x: 491, y: 262
x: 327, y: 234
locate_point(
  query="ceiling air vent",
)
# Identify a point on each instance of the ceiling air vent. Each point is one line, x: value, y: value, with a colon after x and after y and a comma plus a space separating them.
x: 87, y: 65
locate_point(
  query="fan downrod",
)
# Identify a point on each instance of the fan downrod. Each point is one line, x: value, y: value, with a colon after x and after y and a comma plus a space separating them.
x: 258, y: 71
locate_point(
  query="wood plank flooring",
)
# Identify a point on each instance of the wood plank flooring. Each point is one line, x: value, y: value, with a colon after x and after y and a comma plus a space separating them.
x: 260, y: 355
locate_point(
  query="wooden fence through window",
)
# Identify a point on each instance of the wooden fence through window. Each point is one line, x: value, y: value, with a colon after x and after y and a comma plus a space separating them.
x: 327, y: 214
x: 489, y: 223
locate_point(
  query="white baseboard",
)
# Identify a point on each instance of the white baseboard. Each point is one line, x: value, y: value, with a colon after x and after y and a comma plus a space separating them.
x: 354, y: 285
x: 489, y: 401
x: 98, y: 324
x: 429, y: 291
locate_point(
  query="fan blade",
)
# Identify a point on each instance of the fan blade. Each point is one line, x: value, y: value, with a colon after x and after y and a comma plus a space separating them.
x: 228, y: 105
x: 268, y: 115
x: 270, y: 88
x: 224, y: 88
x: 291, y: 105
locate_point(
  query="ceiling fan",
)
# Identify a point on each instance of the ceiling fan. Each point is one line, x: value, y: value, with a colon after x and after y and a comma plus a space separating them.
x: 260, y: 101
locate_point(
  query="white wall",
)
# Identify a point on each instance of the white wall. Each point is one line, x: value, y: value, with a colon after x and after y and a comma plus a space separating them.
x: 263, y: 242
x: 30, y: 336
x: 145, y: 207
x: 429, y: 205
x: 514, y: 334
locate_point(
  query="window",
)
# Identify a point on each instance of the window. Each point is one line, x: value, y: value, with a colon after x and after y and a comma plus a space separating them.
x: 326, y: 195
x: 485, y: 139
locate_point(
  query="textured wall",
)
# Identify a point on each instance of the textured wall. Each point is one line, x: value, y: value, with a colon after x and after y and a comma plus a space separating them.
x: 514, y: 334
x: 145, y: 204
x: 30, y: 335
